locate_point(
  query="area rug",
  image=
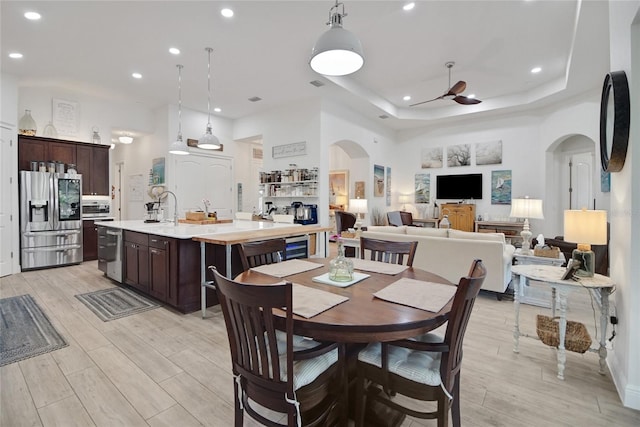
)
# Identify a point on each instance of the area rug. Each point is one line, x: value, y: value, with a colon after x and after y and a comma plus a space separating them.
x: 26, y: 331
x: 114, y: 303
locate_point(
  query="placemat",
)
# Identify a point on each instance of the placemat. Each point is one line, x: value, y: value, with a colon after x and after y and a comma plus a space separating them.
x: 378, y: 266
x: 309, y: 302
x: 426, y: 296
x: 324, y: 278
x: 287, y: 268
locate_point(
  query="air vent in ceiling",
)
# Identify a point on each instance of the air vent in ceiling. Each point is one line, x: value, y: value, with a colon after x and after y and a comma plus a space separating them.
x: 383, y: 116
x: 316, y: 83
x: 255, y: 99
x: 257, y: 153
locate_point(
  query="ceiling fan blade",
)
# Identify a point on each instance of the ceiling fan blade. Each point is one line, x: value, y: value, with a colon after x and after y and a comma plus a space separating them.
x: 424, y: 102
x: 466, y: 101
x: 457, y: 88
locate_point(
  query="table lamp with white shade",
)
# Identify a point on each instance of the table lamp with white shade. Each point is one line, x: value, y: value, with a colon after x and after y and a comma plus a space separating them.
x: 358, y: 207
x: 586, y: 228
x: 526, y: 208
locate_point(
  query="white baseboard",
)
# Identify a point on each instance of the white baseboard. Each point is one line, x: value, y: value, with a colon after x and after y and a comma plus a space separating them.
x: 629, y: 393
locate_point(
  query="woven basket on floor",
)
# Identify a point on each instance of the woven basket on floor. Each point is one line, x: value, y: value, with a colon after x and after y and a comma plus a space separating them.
x: 576, y: 338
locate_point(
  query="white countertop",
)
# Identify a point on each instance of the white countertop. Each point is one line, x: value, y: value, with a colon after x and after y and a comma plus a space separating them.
x: 187, y: 231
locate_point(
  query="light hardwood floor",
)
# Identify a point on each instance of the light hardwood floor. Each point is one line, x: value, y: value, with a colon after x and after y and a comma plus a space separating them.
x: 162, y: 368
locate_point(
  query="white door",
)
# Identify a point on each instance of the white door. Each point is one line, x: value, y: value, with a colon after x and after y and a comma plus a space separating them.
x: 8, y: 143
x: 579, y: 190
x: 199, y: 178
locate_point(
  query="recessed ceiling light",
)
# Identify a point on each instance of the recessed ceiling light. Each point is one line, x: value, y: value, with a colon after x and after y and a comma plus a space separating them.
x: 472, y: 95
x: 226, y: 12
x: 217, y: 109
x: 136, y: 75
x: 32, y: 16
x: 15, y: 55
x: 174, y: 51
x: 409, y: 6
x: 536, y: 70
x: 406, y: 98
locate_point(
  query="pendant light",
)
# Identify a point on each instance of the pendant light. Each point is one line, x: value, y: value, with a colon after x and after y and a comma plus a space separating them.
x: 179, y: 146
x: 337, y: 52
x: 209, y: 141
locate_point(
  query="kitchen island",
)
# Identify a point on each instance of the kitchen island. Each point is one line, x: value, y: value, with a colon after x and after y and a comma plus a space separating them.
x: 168, y: 262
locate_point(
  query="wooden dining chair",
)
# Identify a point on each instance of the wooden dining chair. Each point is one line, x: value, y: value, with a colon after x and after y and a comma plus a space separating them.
x: 388, y: 251
x: 345, y: 221
x: 425, y: 368
x: 307, y: 383
x: 254, y: 254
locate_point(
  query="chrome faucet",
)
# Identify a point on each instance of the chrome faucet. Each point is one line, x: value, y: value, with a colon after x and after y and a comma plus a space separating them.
x: 175, y: 205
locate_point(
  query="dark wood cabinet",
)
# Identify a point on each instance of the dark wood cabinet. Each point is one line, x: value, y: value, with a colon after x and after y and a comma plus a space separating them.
x: 89, y: 240
x: 92, y: 161
x: 136, y: 260
x: 165, y: 268
x: 160, y: 266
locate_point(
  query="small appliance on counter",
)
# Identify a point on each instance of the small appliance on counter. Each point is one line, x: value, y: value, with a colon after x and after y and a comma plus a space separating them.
x: 152, y: 212
x: 304, y: 214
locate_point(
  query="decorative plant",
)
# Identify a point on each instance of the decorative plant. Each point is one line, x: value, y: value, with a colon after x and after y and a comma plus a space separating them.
x: 378, y: 217
x: 206, y: 205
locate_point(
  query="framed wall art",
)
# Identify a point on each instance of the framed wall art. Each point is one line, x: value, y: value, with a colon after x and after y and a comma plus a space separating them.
x: 378, y: 181
x: 431, y: 157
x: 489, y: 153
x: 459, y: 155
x: 422, y: 187
x: 501, y: 187
x: 338, y: 189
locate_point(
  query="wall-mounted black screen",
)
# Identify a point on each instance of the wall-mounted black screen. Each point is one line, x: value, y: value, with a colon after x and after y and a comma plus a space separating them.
x: 459, y: 187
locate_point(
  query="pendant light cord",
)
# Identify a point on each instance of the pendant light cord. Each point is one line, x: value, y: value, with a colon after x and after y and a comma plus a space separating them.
x: 208, y: 49
x: 179, y: 99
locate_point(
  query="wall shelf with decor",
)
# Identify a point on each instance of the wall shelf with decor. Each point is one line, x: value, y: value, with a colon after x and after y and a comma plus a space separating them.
x: 289, y: 183
x: 291, y: 189
x: 511, y: 230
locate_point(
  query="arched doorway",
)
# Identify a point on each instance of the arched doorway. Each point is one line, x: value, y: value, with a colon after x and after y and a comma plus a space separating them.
x: 348, y: 155
x: 574, y: 181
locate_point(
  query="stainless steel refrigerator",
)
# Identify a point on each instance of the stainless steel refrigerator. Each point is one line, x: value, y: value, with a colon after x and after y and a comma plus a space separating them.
x: 50, y: 219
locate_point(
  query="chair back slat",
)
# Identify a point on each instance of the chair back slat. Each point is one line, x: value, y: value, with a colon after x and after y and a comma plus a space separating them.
x: 388, y: 251
x: 464, y: 299
x: 255, y: 254
x: 248, y: 313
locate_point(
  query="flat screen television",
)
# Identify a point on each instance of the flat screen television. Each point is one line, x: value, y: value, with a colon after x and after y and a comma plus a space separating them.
x: 459, y: 187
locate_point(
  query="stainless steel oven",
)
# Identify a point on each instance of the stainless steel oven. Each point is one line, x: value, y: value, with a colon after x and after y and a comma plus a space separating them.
x: 110, y: 252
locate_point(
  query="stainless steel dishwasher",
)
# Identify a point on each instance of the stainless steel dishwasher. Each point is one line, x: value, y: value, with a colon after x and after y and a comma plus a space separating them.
x: 110, y: 252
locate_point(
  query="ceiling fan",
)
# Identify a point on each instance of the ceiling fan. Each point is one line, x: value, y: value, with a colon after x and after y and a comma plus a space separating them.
x: 453, y: 92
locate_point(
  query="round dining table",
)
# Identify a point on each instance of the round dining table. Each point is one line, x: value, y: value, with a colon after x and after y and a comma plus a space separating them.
x: 363, y: 318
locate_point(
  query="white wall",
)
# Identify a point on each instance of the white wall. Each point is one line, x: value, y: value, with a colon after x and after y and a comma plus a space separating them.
x: 624, y: 24
x: 292, y: 123
x: 137, y: 158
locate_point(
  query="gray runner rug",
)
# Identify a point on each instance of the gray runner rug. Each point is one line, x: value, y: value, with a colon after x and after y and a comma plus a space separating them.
x: 25, y: 330
x: 114, y: 303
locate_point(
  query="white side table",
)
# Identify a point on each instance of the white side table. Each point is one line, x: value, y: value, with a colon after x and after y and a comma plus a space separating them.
x: 551, y: 277
x: 351, y: 242
x: 536, y: 293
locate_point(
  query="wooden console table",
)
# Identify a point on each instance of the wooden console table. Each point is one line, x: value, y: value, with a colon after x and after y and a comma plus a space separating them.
x: 551, y: 276
x: 511, y: 229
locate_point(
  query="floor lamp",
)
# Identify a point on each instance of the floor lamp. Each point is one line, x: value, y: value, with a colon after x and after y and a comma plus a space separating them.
x: 526, y: 208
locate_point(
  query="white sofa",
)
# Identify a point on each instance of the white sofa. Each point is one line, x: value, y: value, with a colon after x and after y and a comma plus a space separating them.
x: 449, y: 253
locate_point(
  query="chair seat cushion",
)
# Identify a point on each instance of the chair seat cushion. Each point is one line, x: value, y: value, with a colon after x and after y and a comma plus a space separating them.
x: 304, y: 371
x: 419, y: 366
